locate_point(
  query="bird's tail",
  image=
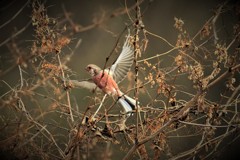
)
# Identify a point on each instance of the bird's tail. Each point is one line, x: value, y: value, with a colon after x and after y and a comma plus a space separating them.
x: 127, y: 103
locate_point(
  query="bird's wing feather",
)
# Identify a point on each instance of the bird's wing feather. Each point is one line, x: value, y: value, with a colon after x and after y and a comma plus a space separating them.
x: 87, y: 84
x: 123, y: 63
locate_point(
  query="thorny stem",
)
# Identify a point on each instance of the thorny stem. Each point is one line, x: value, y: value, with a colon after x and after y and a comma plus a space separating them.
x: 137, y: 25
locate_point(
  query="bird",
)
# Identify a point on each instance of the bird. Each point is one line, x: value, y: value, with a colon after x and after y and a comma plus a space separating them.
x: 107, y: 79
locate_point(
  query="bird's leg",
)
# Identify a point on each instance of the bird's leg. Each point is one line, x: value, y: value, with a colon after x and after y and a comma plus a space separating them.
x: 99, y: 107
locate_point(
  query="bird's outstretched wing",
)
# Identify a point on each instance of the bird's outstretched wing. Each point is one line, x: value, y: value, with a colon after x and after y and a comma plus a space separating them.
x: 87, y: 84
x: 123, y: 63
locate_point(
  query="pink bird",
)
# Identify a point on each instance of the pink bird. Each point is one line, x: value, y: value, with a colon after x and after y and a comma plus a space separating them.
x: 108, y: 79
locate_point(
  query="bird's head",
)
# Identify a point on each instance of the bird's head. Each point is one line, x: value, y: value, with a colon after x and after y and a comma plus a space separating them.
x: 93, y: 69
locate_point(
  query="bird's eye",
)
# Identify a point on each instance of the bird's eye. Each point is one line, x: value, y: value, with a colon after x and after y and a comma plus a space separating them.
x: 88, y: 68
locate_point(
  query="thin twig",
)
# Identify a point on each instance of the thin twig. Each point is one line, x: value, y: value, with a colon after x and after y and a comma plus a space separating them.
x: 16, y: 34
x: 67, y: 92
x: 16, y: 14
x: 155, y: 35
x: 214, y: 20
x: 158, y: 55
x: 205, y: 125
x: 99, y: 107
x: 21, y: 77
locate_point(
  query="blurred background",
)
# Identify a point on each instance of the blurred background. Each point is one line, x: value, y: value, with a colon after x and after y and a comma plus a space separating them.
x: 100, y: 25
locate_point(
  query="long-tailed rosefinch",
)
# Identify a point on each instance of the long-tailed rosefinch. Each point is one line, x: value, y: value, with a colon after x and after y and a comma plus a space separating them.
x: 107, y: 80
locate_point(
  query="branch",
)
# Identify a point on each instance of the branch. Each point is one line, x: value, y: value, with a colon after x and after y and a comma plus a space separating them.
x: 214, y: 22
x: 178, y: 116
x: 230, y: 70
